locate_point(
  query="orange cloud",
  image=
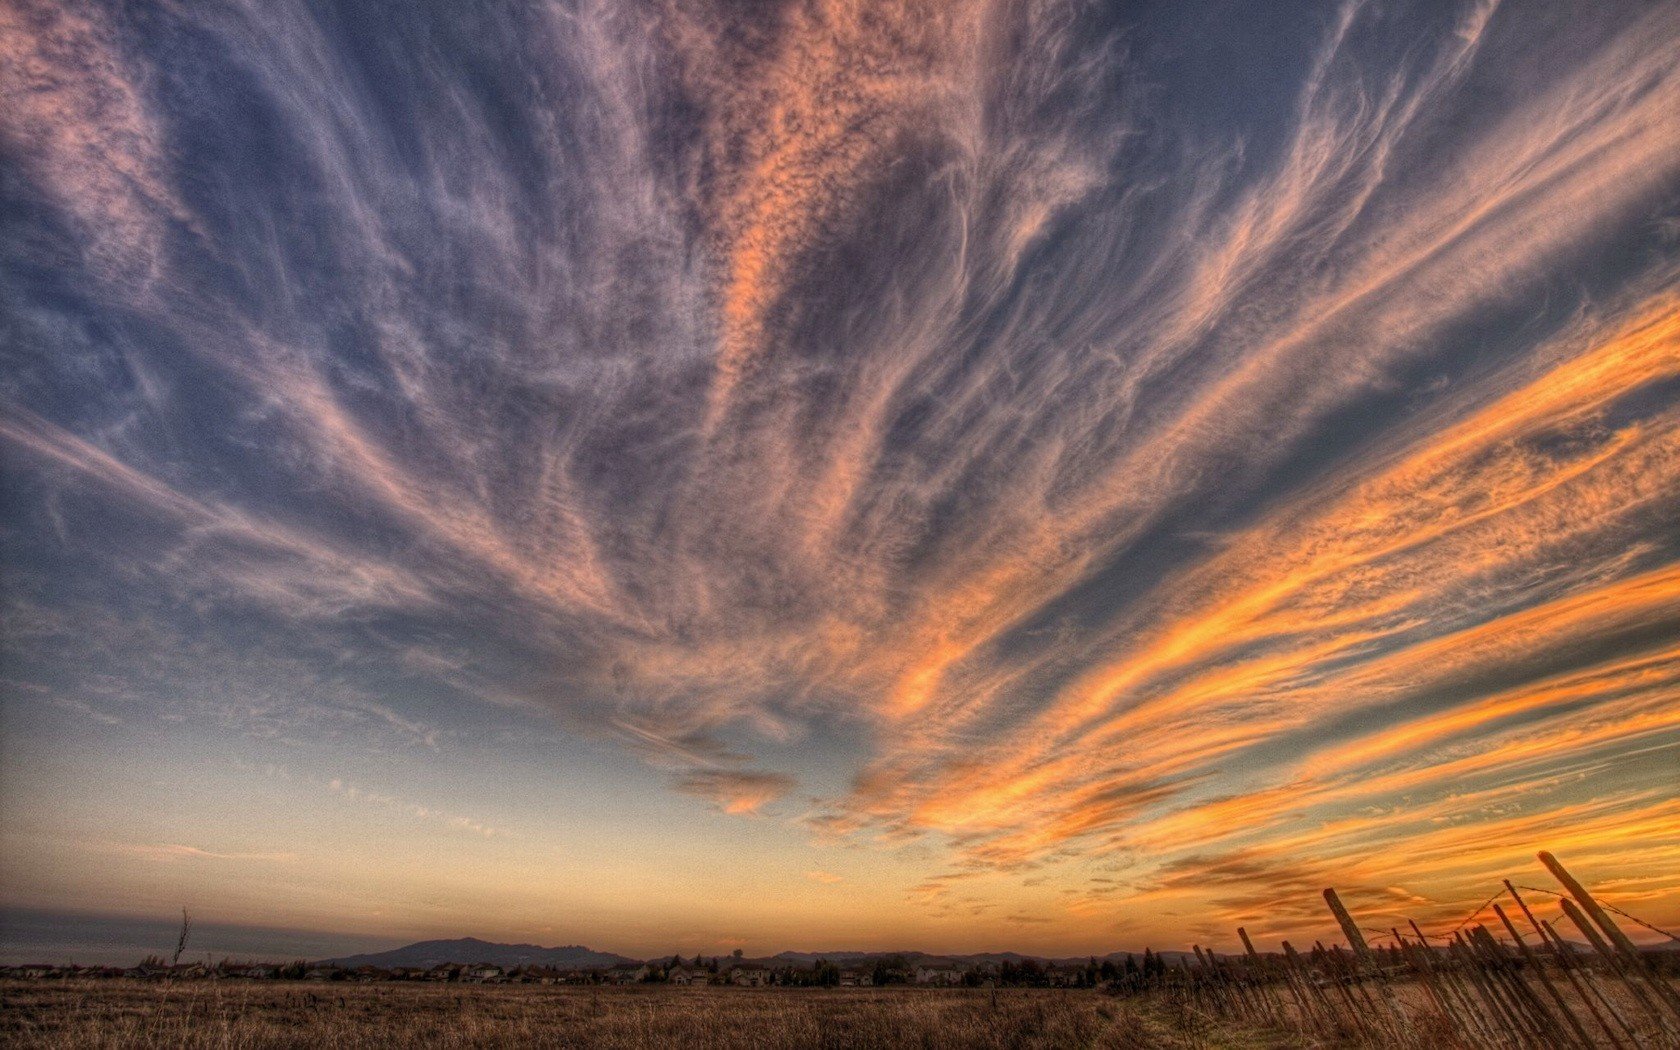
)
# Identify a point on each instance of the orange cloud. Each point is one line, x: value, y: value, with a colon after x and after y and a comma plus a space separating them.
x: 736, y: 791
x: 1323, y: 612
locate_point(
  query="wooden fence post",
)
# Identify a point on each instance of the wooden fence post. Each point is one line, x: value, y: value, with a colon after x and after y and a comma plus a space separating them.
x: 1614, y: 961
x: 1363, y: 954
x: 1479, y: 985
x: 1665, y: 992
x: 1533, y: 1008
x: 1358, y: 1015
x: 1419, y: 964
x: 1268, y: 994
x: 1564, y: 961
x: 1303, y: 1010
x: 1325, y: 1008
x: 1463, y: 990
x: 1567, y: 951
x: 1482, y: 979
x: 1350, y: 929
x: 1533, y: 963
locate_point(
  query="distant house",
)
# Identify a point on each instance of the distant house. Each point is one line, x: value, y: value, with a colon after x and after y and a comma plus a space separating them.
x: 626, y: 973
x: 856, y: 979
x: 749, y: 975
x: 682, y: 975
x: 484, y: 974
x: 942, y: 976
x: 321, y: 973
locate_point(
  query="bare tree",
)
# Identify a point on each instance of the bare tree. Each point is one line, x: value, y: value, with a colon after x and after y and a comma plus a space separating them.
x: 181, y: 942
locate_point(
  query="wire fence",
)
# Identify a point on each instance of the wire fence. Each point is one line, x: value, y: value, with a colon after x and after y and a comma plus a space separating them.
x: 1472, y: 986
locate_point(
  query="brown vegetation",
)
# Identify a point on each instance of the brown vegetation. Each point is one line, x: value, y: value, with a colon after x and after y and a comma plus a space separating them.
x: 1508, y: 986
x: 131, y: 1013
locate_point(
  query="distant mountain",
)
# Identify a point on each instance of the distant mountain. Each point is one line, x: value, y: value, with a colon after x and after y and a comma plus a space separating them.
x: 976, y: 959
x: 472, y: 950
x: 425, y: 954
x: 850, y: 958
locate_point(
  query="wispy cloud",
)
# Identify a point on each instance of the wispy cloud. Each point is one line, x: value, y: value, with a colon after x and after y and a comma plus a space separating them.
x: 1103, y: 460
x: 739, y: 791
x: 82, y: 117
x: 444, y: 818
x: 173, y: 851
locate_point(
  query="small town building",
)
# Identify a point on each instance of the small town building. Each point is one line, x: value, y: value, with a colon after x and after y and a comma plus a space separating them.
x: 749, y: 975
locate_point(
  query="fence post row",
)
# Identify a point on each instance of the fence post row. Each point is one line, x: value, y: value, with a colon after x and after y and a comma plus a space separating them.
x: 1541, y: 993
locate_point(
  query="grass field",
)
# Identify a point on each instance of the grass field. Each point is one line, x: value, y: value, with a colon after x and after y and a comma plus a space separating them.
x: 263, y: 1014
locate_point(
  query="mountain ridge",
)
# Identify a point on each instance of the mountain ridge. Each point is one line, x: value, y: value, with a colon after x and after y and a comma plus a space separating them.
x: 473, y: 950
x: 969, y: 958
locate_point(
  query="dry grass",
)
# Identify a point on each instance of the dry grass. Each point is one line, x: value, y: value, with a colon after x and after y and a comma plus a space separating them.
x: 262, y: 1014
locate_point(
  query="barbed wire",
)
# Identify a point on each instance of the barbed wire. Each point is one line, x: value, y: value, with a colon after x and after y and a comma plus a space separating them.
x: 1532, y: 889
x: 1607, y: 907
x: 1479, y: 909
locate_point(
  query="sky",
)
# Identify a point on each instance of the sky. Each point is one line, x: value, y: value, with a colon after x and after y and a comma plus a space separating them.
x: 679, y: 475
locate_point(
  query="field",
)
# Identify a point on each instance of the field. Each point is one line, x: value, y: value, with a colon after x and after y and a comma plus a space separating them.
x: 1459, y: 990
x: 262, y: 1014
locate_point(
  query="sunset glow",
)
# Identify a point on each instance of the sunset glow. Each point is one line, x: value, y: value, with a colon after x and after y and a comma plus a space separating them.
x: 872, y: 474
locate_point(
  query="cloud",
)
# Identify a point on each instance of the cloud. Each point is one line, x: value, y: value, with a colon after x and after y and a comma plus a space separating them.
x: 824, y: 877
x: 472, y: 826
x: 985, y: 400
x: 736, y: 791
x: 171, y: 851
x: 87, y: 711
x: 81, y: 117
x: 284, y: 568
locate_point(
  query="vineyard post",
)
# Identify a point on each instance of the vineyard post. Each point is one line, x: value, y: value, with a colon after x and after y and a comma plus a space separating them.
x: 1451, y: 979
x: 1524, y: 1002
x: 1470, y: 966
x: 1576, y: 967
x: 1664, y: 991
x: 1426, y: 976
x: 1216, y: 994
x: 1304, y: 1010
x: 1350, y: 929
x: 1564, y: 962
x: 1614, y: 961
x: 1344, y: 985
x: 1362, y: 953
x: 1533, y: 963
x: 1326, y: 1007
x: 1417, y: 957
x: 1247, y: 994
x: 1350, y: 965
x: 1274, y: 1004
